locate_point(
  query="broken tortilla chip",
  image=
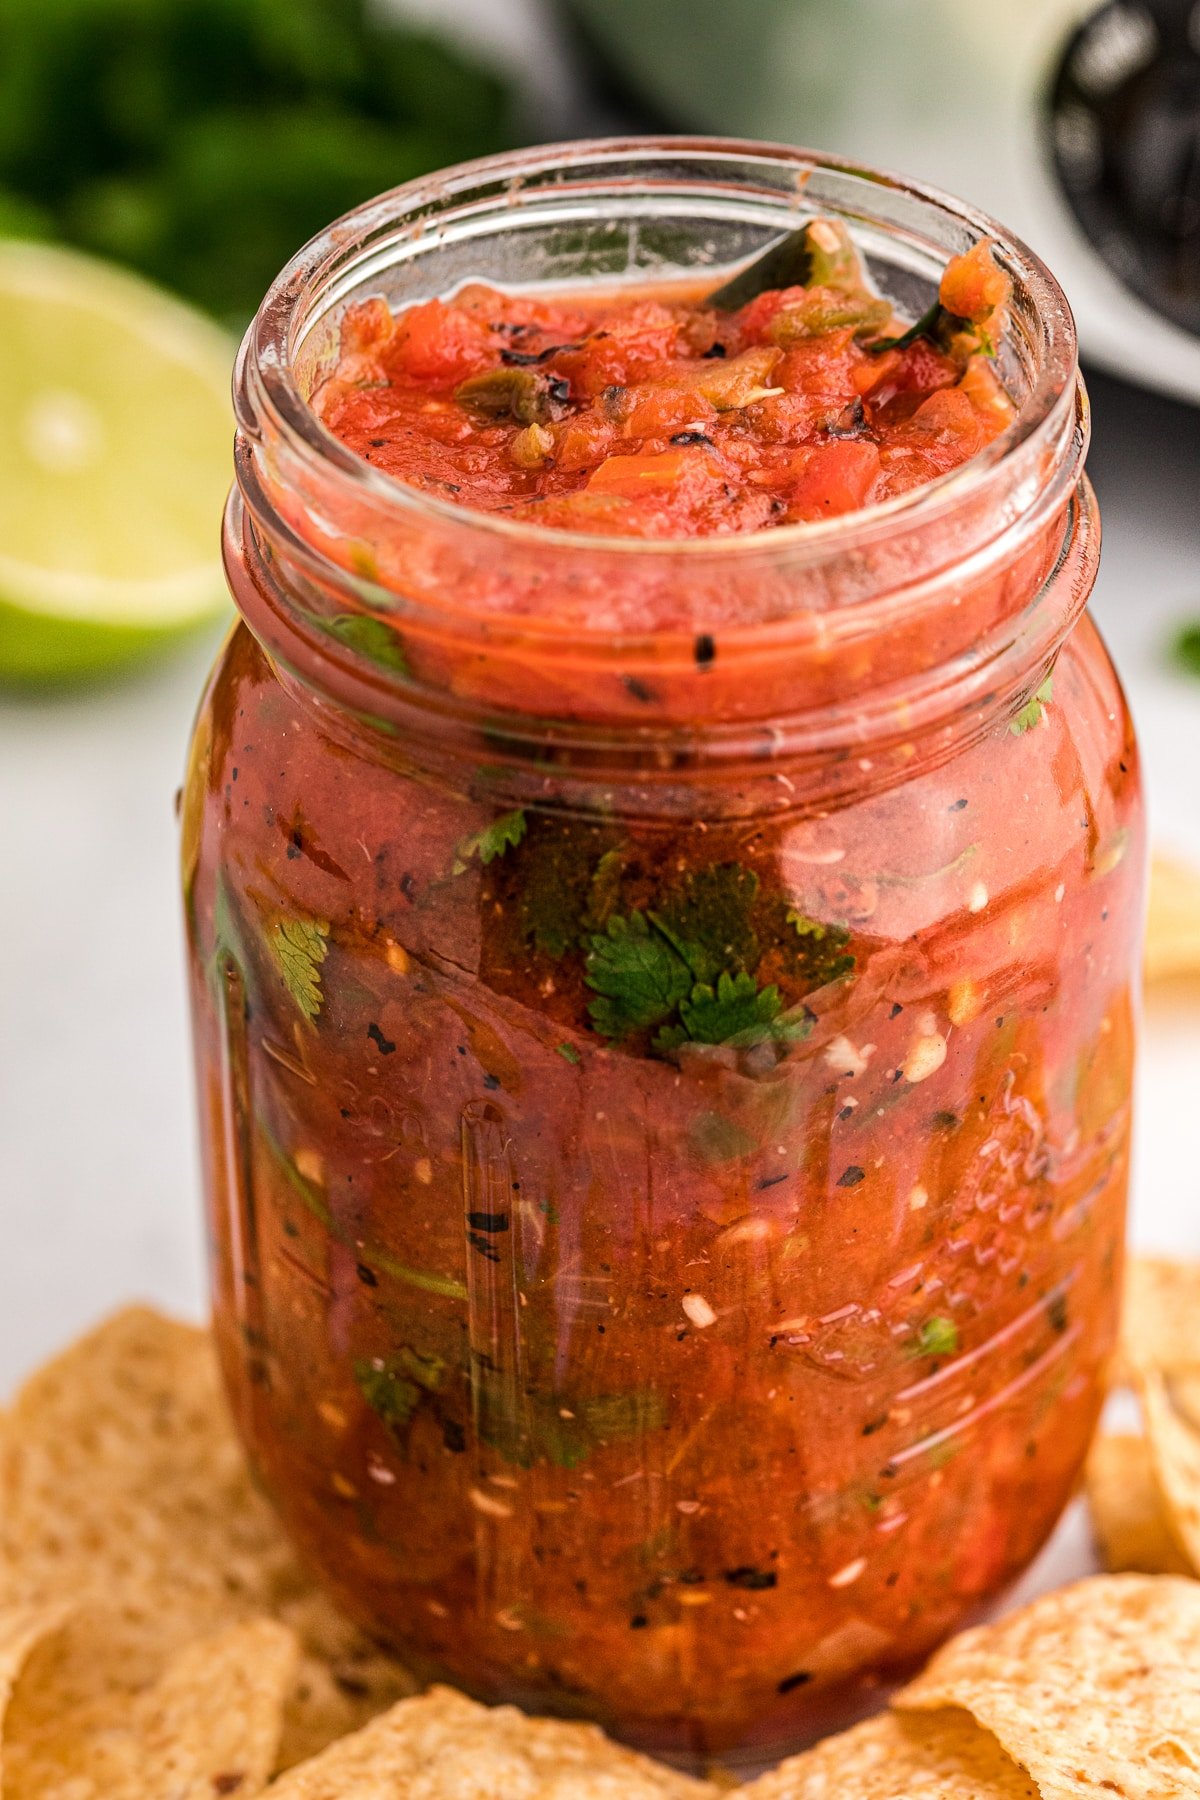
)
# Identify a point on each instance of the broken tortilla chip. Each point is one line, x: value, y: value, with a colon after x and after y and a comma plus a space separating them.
x: 1160, y: 1317
x: 122, y: 1473
x: 22, y: 1630
x: 125, y: 1488
x: 209, y: 1726
x: 1174, y: 1449
x: 1129, y: 1518
x: 342, y: 1679
x: 443, y: 1746
x: 939, y: 1756
x: 1094, y: 1688
x: 1172, y: 920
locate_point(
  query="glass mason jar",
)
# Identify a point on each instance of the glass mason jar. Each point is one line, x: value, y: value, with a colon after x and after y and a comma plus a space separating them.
x: 694, y: 1387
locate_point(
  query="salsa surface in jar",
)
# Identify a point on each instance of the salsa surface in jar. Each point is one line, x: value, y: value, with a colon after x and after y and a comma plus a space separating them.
x: 658, y: 414
x: 666, y: 1190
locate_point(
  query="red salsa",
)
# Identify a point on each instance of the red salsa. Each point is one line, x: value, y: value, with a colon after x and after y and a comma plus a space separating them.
x: 665, y: 1216
x: 654, y: 415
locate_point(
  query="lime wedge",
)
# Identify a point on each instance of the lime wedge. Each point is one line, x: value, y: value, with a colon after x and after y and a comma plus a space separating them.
x: 115, y: 459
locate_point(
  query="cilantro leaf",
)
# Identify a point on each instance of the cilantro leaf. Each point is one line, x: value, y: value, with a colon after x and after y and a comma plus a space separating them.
x: 806, y: 927
x: 424, y: 1367
x: 298, y: 947
x: 638, y: 975
x: 557, y: 883
x: 707, y: 921
x: 937, y: 1337
x: 391, y: 1396
x: 1034, y: 709
x: 605, y: 889
x: 564, y: 1432
x: 501, y: 835
x: 821, y: 954
x: 395, y: 1387
x: 370, y: 637
x: 738, y: 1013
x: 737, y: 1008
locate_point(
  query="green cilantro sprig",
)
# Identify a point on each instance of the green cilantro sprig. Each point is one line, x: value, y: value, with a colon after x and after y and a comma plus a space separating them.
x: 822, y: 951
x: 199, y: 141
x: 494, y: 840
x: 639, y: 976
x: 937, y: 1337
x: 643, y: 979
x: 394, y: 1388
x: 1034, y: 709
x: 736, y: 1006
x: 524, y: 1429
x: 707, y: 921
x: 703, y: 957
x: 736, y: 1011
x: 563, y: 1431
x: 370, y: 637
x: 299, y: 948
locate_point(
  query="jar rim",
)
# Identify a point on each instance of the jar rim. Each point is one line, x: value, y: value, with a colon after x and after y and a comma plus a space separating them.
x: 268, y: 392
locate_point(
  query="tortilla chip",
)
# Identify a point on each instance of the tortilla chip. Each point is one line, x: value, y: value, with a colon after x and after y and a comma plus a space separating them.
x: 22, y: 1629
x: 443, y: 1746
x: 1093, y: 1688
x: 342, y: 1679
x: 1173, y: 920
x: 1160, y: 1322
x: 1185, y: 1395
x: 1174, y: 1449
x: 1129, y: 1519
x: 939, y: 1756
x: 211, y: 1725
x: 121, y: 1471
x: 124, y: 1486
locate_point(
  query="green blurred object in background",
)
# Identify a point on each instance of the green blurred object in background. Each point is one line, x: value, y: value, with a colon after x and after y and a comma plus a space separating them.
x: 201, y: 142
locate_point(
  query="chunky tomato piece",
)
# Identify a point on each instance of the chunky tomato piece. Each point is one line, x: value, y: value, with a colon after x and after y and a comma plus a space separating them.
x: 660, y: 408
x: 834, y: 478
x: 437, y: 343
x: 630, y: 475
x: 973, y: 287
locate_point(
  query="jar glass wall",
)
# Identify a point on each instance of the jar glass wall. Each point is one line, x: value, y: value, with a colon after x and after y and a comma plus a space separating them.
x: 692, y: 1380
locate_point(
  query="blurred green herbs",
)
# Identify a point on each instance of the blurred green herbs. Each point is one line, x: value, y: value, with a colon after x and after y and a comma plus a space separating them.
x: 1186, y: 647
x: 203, y: 141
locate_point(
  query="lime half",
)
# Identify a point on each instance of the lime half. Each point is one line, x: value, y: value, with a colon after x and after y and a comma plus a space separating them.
x: 114, y: 462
